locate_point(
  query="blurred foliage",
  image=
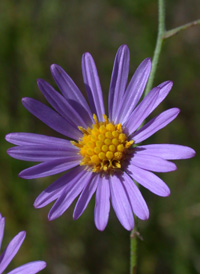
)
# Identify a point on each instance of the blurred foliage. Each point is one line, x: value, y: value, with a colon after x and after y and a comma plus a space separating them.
x: 35, y: 34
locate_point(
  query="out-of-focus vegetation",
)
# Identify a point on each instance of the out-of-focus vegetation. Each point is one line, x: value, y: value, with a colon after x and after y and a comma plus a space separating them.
x: 35, y: 34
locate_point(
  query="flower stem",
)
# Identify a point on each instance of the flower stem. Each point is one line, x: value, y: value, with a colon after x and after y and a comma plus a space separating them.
x: 159, y: 42
x: 133, y: 251
x: 174, y: 31
x: 162, y: 35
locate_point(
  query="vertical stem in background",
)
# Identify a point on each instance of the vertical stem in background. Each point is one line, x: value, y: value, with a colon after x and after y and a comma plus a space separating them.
x: 162, y: 34
x: 159, y: 42
x: 133, y: 251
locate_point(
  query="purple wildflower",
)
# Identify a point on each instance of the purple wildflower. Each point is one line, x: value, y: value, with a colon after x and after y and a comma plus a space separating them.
x: 103, y: 155
x: 12, y: 249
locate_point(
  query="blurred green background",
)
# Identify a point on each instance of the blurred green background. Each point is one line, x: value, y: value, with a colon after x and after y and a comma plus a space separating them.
x: 35, y: 34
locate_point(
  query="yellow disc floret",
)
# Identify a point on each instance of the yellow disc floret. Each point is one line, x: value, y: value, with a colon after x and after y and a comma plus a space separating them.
x: 104, y: 146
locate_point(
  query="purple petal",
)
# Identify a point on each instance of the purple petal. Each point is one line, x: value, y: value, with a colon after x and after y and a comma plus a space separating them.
x: 51, y: 118
x: 165, y: 88
x: 50, y: 167
x: 68, y: 88
x: 121, y: 203
x: 11, y: 250
x: 72, y: 190
x: 167, y: 151
x: 149, y: 180
x: 2, y: 225
x: 30, y: 268
x: 56, y: 189
x: 41, y: 153
x: 118, y: 80
x: 138, y: 203
x: 152, y: 163
x: 142, y: 111
x: 155, y: 124
x: 23, y: 138
x: 63, y: 106
x: 92, y: 84
x: 85, y: 198
x: 102, y: 204
x: 134, y: 90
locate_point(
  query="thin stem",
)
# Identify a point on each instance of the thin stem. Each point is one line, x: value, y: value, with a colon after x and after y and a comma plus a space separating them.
x: 133, y: 251
x: 174, y: 31
x: 161, y: 29
x: 162, y: 35
x: 159, y: 42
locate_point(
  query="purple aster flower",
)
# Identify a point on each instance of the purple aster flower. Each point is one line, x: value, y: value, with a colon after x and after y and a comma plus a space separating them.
x: 12, y: 249
x: 100, y: 153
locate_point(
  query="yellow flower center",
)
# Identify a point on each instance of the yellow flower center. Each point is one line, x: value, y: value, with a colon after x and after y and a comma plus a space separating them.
x: 103, y: 146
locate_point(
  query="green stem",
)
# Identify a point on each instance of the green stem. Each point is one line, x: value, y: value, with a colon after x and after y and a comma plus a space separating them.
x: 162, y: 35
x: 159, y: 42
x: 161, y: 30
x: 133, y: 251
x: 174, y: 31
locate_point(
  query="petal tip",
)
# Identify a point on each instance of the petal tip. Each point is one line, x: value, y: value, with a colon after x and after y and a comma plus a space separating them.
x: 146, y: 214
x: 175, y: 168
x: 192, y: 153
x: 22, y: 176
x: 101, y: 228
x: 86, y: 55
x: 54, y: 67
x: 2, y: 219
x: 56, y: 70
x: 22, y: 233
x: 35, y: 205
x: 7, y: 137
x: 25, y: 100
x: 146, y: 217
x: 129, y: 228
x: 124, y: 47
x: 147, y: 61
x: 167, y: 192
x: 170, y: 82
x: 43, y: 264
x: 43, y: 86
x: 50, y: 218
x: 9, y: 151
x: 40, y: 82
x: 75, y: 216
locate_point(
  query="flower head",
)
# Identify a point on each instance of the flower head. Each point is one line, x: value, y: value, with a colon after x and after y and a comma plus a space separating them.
x: 101, y: 154
x: 12, y: 249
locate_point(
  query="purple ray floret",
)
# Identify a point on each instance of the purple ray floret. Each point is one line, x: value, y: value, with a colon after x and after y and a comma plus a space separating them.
x: 11, y: 250
x: 100, y: 155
